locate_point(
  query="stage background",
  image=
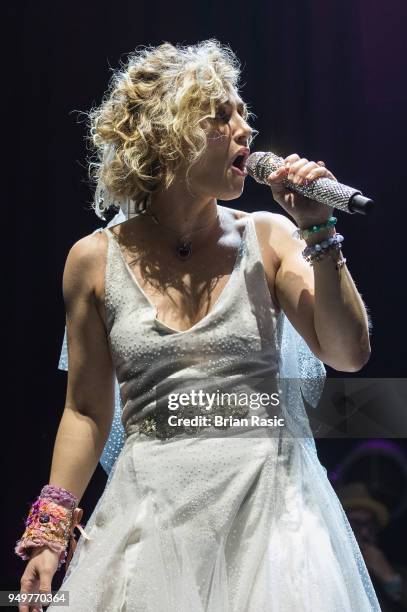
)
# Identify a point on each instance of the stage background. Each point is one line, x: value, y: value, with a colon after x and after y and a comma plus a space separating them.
x: 326, y: 81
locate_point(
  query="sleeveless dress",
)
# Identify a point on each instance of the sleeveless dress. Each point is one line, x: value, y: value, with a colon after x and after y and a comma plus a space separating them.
x: 213, y: 519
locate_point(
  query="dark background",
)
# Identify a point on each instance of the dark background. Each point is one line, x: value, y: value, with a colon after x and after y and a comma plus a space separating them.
x: 327, y: 80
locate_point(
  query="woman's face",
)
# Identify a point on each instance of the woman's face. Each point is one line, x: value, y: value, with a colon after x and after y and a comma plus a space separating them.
x: 214, y: 175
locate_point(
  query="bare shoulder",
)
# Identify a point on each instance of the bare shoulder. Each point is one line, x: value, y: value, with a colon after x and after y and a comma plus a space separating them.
x: 279, y: 227
x: 274, y: 233
x: 84, y: 265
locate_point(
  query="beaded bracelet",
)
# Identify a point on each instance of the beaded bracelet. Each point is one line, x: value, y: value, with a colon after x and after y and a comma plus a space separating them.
x: 306, y: 232
x: 51, y: 522
x: 321, y: 255
x: 309, y: 252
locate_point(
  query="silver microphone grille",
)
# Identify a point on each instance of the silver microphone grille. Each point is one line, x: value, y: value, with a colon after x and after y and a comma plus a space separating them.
x: 260, y: 165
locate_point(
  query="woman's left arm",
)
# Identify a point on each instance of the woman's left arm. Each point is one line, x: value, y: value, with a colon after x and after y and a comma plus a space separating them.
x: 322, y: 302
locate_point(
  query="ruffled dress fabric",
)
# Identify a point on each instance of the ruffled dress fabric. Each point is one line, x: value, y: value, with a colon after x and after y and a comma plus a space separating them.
x: 225, y: 520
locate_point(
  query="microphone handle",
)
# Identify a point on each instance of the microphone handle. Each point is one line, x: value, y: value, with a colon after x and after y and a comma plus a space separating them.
x: 324, y: 190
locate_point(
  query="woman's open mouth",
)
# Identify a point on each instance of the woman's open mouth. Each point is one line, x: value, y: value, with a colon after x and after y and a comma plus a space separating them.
x: 239, y: 165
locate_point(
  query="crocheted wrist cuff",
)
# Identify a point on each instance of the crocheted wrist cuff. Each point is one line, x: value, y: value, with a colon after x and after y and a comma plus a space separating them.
x: 49, y: 523
x: 60, y: 495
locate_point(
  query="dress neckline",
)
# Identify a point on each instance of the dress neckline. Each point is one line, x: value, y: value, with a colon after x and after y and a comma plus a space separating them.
x: 219, y: 300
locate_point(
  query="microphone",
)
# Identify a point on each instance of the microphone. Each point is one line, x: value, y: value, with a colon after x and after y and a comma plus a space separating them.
x: 327, y: 191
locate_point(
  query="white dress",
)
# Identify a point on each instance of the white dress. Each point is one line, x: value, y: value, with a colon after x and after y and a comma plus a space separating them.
x: 226, y: 520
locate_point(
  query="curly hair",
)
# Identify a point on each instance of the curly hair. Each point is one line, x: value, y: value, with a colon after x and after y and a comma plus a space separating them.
x: 150, y: 120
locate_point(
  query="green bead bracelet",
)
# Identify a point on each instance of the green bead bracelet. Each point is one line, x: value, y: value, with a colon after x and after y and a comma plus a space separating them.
x: 304, y: 233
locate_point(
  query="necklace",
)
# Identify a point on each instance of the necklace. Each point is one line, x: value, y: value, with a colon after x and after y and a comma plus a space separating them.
x: 183, y: 248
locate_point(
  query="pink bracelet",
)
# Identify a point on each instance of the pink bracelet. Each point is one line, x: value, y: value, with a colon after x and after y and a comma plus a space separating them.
x: 51, y: 521
x: 60, y: 496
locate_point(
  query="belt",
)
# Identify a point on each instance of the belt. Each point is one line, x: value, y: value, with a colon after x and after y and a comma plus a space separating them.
x: 156, y: 425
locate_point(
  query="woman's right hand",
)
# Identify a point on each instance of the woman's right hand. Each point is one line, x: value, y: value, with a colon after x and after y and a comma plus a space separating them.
x: 38, y: 575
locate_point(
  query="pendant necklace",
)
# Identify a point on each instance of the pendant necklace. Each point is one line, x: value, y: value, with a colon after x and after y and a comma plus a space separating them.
x: 183, y: 248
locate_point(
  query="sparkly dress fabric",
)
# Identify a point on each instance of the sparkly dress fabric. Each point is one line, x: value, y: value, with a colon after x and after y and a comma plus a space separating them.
x: 222, y: 520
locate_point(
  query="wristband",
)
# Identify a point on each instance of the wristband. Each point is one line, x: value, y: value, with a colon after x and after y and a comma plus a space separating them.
x: 306, y: 232
x: 310, y: 252
x: 51, y: 522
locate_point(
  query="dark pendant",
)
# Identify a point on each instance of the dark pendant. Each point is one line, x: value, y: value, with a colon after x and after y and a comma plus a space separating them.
x: 184, y: 250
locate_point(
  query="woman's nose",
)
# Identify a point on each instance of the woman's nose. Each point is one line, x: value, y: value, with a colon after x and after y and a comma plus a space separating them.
x: 244, y: 130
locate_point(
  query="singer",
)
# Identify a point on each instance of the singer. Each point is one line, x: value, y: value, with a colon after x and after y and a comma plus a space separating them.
x: 180, y: 290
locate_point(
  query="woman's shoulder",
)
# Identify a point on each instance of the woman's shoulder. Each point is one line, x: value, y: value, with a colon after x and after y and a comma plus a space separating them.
x: 85, y: 258
x: 276, y: 228
x: 274, y: 220
x: 262, y: 217
x: 272, y: 229
x: 88, y: 248
x: 266, y: 222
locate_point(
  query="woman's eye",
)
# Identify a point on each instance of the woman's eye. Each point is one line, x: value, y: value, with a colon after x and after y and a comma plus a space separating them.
x: 222, y: 115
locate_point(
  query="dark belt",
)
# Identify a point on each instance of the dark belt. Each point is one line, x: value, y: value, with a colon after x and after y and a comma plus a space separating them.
x: 156, y: 425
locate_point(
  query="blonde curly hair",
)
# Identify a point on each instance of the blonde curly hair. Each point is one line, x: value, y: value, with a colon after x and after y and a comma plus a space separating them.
x: 150, y: 120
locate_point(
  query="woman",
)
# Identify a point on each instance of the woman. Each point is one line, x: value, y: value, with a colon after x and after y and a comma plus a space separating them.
x: 189, y: 295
